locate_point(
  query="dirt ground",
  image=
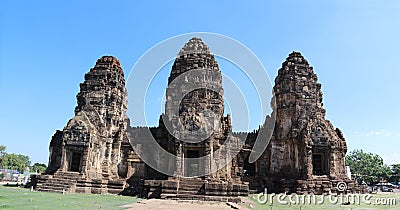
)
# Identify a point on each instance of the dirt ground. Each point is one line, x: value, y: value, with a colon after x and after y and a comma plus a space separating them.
x: 153, y: 204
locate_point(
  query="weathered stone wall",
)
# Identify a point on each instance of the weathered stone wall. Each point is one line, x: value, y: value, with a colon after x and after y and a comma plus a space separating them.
x: 55, y: 153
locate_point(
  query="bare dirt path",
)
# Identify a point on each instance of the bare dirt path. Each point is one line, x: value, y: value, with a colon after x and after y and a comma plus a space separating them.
x: 154, y: 204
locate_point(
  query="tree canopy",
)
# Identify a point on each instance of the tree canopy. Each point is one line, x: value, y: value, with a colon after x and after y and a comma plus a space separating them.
x: 395, y: 173
x: 38, y: 167
x: 367, y: 167
x: 18, y: 161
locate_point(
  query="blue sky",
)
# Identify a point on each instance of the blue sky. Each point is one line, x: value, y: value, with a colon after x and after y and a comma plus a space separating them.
x: 46, y: 47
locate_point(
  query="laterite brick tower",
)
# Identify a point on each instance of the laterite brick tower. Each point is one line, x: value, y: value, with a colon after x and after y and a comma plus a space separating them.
x: 90, y: 154
x: 195, y: 129
x: 306, y: 153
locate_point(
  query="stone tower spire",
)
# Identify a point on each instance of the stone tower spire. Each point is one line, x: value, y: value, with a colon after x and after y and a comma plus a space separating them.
x: 194, y: 45
x: 90, y: 145
x: 194, y: 113
x: 297, y: 90
x: 195, y: 86
x: 195, y: 54
x: 103, y: 94
x: 304, y: 145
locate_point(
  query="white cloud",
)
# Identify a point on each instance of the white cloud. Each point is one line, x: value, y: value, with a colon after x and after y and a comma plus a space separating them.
x: 383, y: 132
x: 375, y: 133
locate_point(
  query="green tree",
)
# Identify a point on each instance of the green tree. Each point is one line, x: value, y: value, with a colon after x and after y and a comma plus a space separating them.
x: 395, y: 173
x: 367, y: 167
x: 38, y: 167
x: 15, y: 161
x: 2, y: 150
x: 2, y: 153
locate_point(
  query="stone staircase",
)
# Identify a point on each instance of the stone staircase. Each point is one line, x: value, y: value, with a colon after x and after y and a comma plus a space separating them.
x: 254, y: 186
x: 174, y: 187
x: 74, y: 182
x: 194, y: 189
x: 60, y: 182
x: 190, y: 186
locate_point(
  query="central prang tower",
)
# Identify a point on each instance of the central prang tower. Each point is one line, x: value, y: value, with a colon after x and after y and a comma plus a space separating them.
x: 195, y: 87
x: 194, y: 114
x: 195, y: 130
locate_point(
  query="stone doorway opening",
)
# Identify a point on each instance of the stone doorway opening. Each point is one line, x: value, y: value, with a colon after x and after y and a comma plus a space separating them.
x: 320, y: 164
x: 249, y: 169
x: 75, y: 162
x: 192, y: 165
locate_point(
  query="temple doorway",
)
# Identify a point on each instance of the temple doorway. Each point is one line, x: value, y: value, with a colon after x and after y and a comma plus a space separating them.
x: 192, y: 164
x: 249, y: 169
x: 75, y: 162
x: 320, y: 164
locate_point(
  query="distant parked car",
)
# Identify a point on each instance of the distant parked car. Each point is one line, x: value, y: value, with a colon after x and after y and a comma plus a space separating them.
x: 387, y: 189
x: 13, y: 183
x: 372, y: 189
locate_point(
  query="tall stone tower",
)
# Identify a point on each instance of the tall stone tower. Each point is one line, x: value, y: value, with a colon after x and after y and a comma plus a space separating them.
x: 195, y: 130
x: 195, y: 76
x: 195, y: 113
x: 304, y: 146
x: 93, y: 145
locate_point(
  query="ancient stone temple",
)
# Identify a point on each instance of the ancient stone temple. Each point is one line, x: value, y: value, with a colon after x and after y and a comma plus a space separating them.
x: 199, y: 121
x: 194, y: 129
x: 90, y: 154
x: 198, y: 156
x: 306, y: 153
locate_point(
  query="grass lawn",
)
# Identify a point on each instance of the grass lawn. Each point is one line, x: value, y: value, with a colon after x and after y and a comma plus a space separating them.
x: 20, y: 198
x: 370, y: 201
